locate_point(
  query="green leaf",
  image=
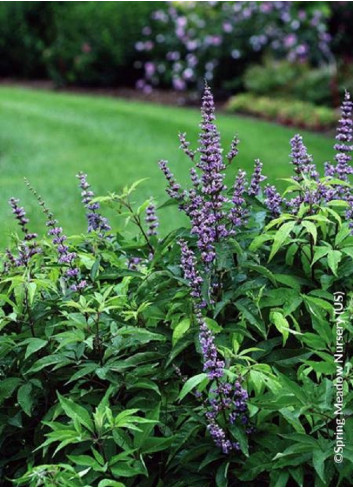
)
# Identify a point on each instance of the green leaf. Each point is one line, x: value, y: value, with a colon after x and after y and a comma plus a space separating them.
x: 86, y: 461
x: 293, y: 419
x: 34, y: 344
x: 155, y: 444
x: 222, y: 475
x: 213, y: 325
x: 31, y: 287
x: 291, y: 252
x: 180, y: 329
x: 342, y: 234
x: 95, y: 270
x: 289, y: 280
x: 281, y: 324
x: 145, y: 384
x: 241, y: 437
x: 258, y: 241
x: 333, y: 259
x: 8, y: 386
x: 261, y: 270
x: 76, y: 412
x: 319, y: 458
x: 348, y: 251
x: 191, y: 383
x: 311, y: 228
x: 82, y: 372
x: 49, y: 360
x: 24, y: 398
x: 320, y: 252
x: 110, y: 483
x: 314, y: 341
x: 280, y: 237
x: 321, y: 367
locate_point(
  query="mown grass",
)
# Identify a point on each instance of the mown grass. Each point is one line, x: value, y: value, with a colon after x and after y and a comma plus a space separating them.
x: 48, y: 137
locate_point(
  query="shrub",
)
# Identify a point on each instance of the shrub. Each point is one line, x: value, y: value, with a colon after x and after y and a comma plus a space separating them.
x: 26, y: 30
x: 189, y: 42
x: 80, y: 42
x: 286, y: 79
x: 121, y: 367
x: 286, y: 111
x: 94, y: 42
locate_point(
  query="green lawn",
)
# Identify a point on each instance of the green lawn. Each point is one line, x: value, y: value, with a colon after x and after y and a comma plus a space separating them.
x: 49, y: 137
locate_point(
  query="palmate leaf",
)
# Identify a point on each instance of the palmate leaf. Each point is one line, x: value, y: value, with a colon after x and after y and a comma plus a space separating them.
x: 65, y: 436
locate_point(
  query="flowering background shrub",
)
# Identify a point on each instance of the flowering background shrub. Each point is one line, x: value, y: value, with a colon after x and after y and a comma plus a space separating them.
x: 191, y: 41
x: 204, y: 357
x: 170, y: 43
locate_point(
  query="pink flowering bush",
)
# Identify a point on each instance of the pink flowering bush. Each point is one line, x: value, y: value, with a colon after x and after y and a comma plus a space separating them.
x: 218, y: 355
x: 188, y: 42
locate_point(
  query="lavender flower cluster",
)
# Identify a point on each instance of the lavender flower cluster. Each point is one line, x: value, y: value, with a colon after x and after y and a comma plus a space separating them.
x: 184, y: 43
x: 27, y: 247
x: 213, y: 214
x: 151, y: 220
x: 96, y: 222
x: 226, y: 399
x: 66, y: 258
x: 306, y: 173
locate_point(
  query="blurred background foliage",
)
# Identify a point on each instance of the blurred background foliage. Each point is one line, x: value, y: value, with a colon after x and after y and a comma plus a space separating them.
x: 297, y: 49
x: 89, y: 43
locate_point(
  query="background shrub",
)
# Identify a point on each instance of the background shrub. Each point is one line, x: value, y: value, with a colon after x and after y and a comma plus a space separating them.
x: 27, y: 28
x: 95, y: 42
x: 284, y: 110
x: 293, y: 80
x: 90, y: 43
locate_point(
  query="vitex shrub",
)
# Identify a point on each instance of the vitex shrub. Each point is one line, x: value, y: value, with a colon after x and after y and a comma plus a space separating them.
x: 205, y: 357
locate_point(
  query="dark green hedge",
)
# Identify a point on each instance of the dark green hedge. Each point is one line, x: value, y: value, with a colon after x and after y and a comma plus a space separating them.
x: 72, y: 42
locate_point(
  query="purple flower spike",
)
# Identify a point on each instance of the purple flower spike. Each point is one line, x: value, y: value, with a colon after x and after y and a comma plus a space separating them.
x: 233, y: 149
x: 256, y: 179
x: 238, y: 212
x: 174, y: 189
x: 65, y: 257
x: 212, y: 365
x: 28, y: 247
x: 188, y: 266
x: 184, y: 145
x: 219, y: 437
x: 301, y: 160
x: 95, y: 221
x: 211, y: 163
x: 195, y: 179
x: 151, y: 220
x: 344, y: 137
